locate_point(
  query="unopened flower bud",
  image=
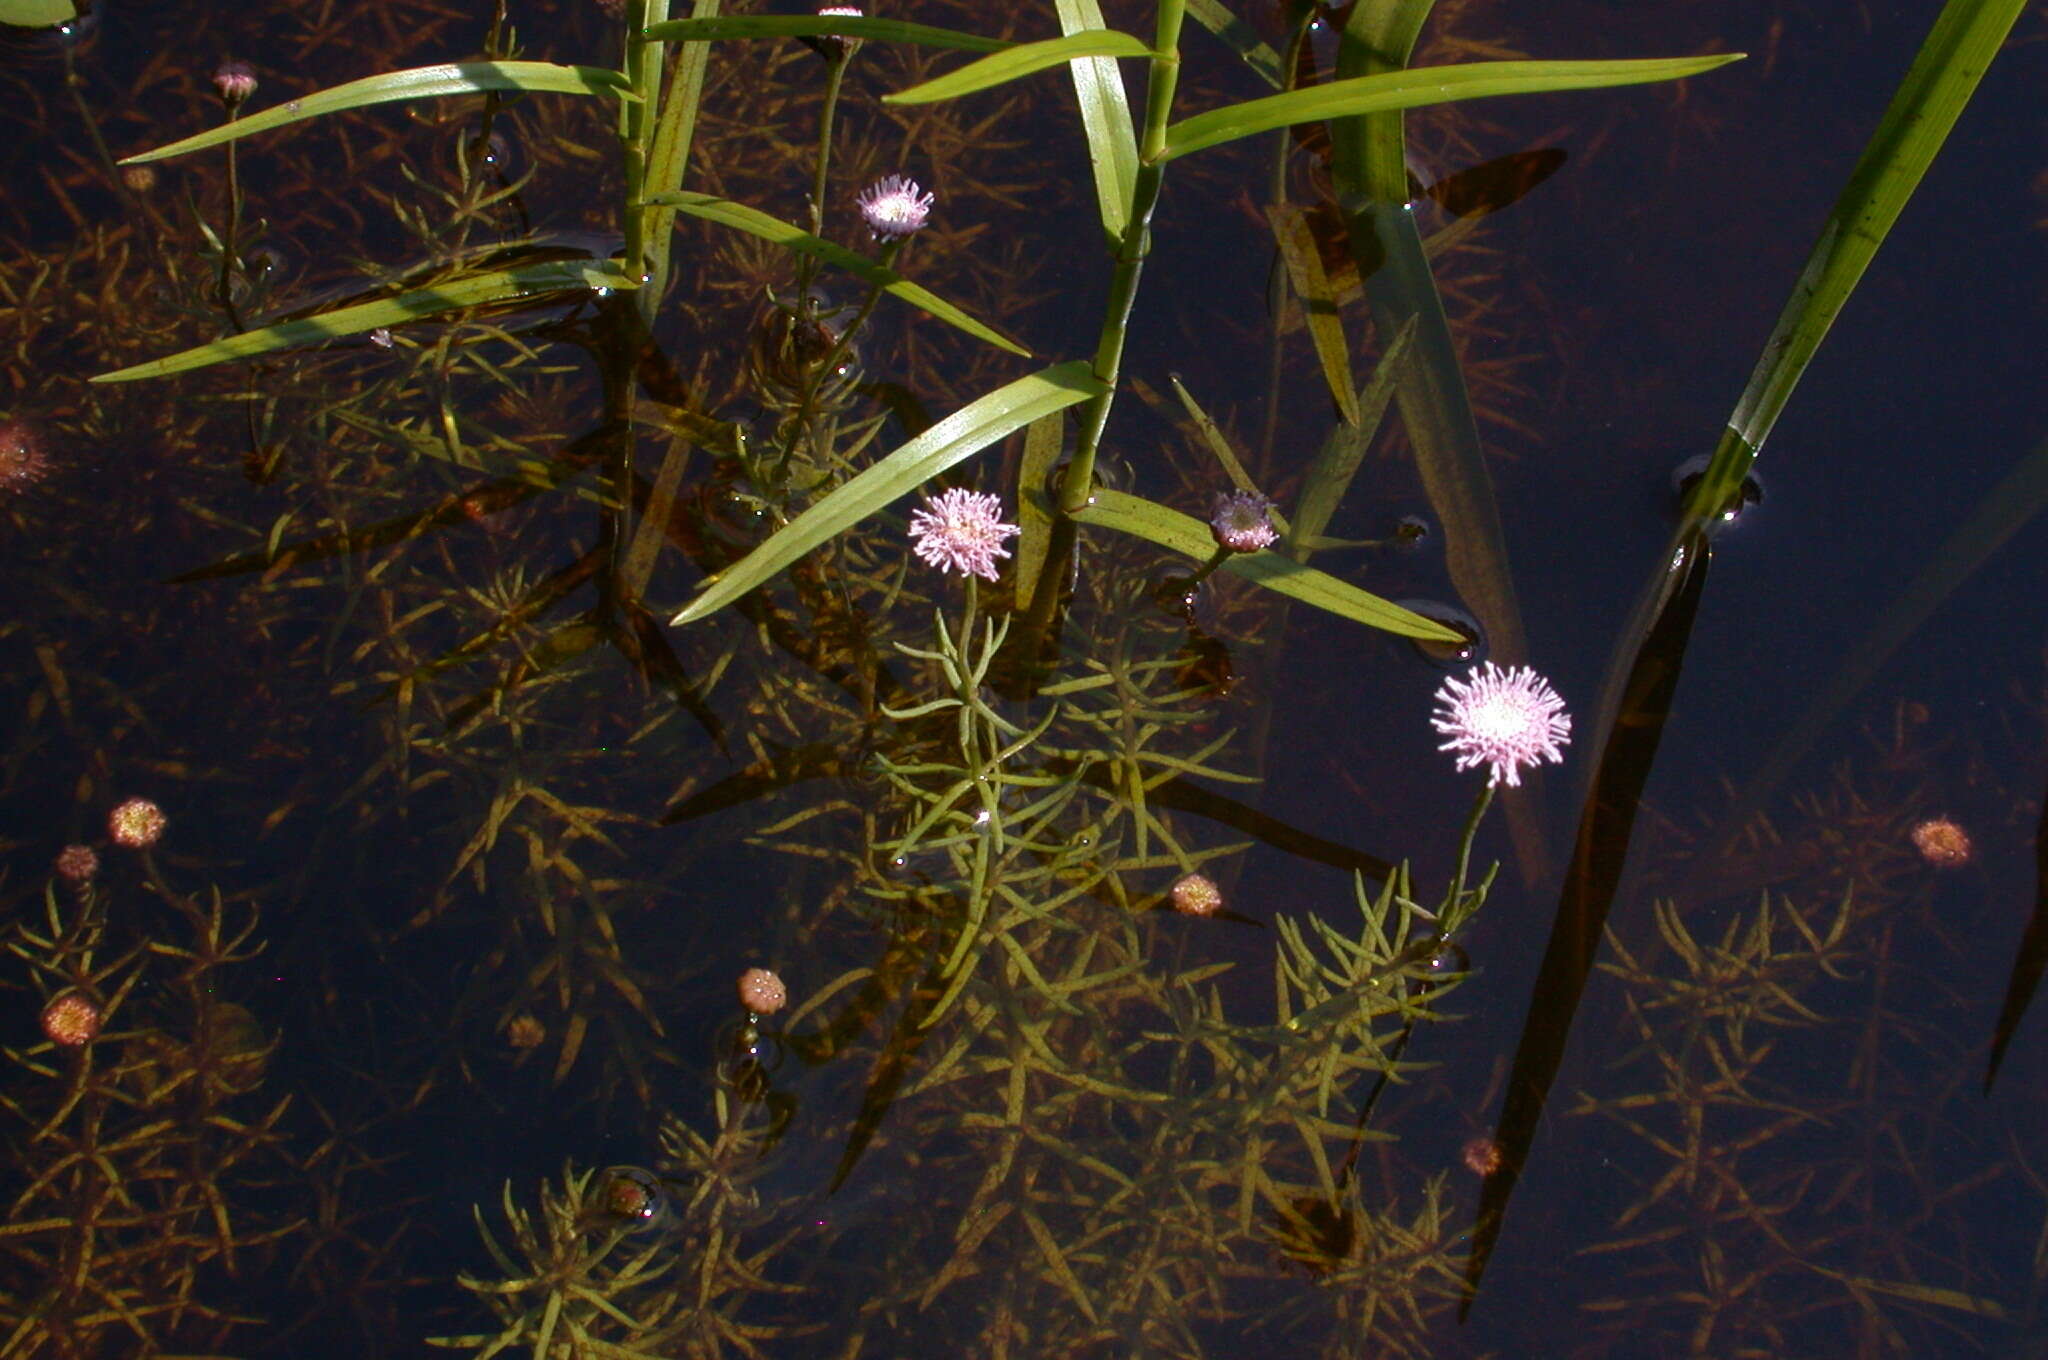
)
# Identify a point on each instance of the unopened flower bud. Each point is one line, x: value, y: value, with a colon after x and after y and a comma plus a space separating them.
x: 71, y: 1019
x: 1242, y: 521
x: 762, y: 992
x: 1196, y: 895
x: 831, y: 46
x: 234, y: 82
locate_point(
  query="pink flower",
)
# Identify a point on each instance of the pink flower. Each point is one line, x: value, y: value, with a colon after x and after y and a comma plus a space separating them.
x: 893, y: 208
x: 961, y: 530
x: 1506, y: 719
x: 1242, y: 521
x: 137, y: 824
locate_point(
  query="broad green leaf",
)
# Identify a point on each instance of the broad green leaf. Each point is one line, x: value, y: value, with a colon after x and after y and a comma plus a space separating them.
x: 959, y: 436
x: 821, y: 25
x: 1925, y: 107
x: 37, y: 13
x: 425, y: 82
x: 1429, y: 85
x: 1105, y: 118
x: 474, y: 290
x: 1240, y: 37
x: 1304, y: 261
x: 1189, y: 536
x: 1017, y: 62
x: 757, y: 223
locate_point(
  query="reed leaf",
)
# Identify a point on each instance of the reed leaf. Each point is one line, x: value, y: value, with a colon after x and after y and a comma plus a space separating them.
x: 1105, y: 119
x: 959, y: 436
x: 1318, y: 302
x: 757, y: 223
x: 1017, y: 62
x: 1191, y: 537
x: 821, y: 25
x: 1429, y: 85
x: 37, y: 13
x: 424, y: 82
x: 475, y: 290
x: 1035, y: 516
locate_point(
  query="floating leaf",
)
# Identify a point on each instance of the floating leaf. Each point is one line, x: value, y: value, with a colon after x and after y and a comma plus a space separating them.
x: 821, y: 25
x: 424, y: 82
x: 474, y: 290
x: 1429, y: 85
x: 959, y: 436
x: 756, y: 223
x: 1190, y: 536
x: 1017, y: 62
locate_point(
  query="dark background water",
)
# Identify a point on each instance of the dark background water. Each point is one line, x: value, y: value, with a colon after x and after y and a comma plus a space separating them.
x: 1629, y: 296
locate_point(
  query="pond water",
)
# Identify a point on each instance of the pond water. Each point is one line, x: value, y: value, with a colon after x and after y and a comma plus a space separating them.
x: 414, y: 1025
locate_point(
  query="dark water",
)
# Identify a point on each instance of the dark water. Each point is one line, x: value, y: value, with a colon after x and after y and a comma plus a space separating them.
x: 1769, y: 1131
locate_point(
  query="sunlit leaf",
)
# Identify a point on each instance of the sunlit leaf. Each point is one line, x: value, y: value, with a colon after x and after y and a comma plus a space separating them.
x: 959, y: 436
x: 424, y: 82
x: 1017, y: 62
x: 1429, y: 85
x: 1105, y: 118
x: 37, y: 13
x: 474, y: 290
x: 821, y: 25
x: 1191, y: 537
x: 757, y: 223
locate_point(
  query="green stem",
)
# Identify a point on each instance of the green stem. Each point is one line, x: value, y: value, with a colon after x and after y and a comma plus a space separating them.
x: 637, y: 117
x: 807, y: 268
x: 1451, y: 917
x: 230, y: 234
x: 1130, y: 254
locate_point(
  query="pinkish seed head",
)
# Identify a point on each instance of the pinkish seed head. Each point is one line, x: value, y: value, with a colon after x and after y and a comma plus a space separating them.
x: 762, y: 992
x: 1196, y: 895
x: 71, y: 1019
x: 1943, y: 843
x: 76, y: 865
x: 1242, y: 521
x: 22, y: 463
x: 137, y: 824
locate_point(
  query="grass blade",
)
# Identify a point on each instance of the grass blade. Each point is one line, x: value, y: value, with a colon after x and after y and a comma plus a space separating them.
x: 1191, y: 537
x: 1329, y: 477
x: 1318, y: 302
x: 37, y: 13
x: 1017, y: 62
x: 424, y: 82
x: 757, y: 223
x: 1105, y: 118
x: 1429, y: 85
x: 959, y: 436
x: 475, y: 290
x: 820, y: 25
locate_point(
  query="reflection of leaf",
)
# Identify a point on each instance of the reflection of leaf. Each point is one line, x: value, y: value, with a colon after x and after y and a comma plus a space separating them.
x: 2030, y: 960
x: 1481, y: 189
x: 1302, y: 256
x: 1605, y: 826
x: 1035, y: 520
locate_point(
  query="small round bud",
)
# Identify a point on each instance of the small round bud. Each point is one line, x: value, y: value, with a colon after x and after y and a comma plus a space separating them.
x: 234, y: 82
x: 762, y: 992
x: 1242, y: 521
x: 525, y: 1031
x: 831, y: 46
x: 140, y: 179
x: 71, y: 1019
x: 137, y: 824
x: 1481, y: 1155
x: 1196, y: 895
x: 76, y: 865
x: 22, y: 463
x: 1943, y: 843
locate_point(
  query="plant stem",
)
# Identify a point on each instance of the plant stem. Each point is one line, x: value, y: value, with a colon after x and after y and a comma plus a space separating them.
x: 807, y: 268
x: 1451, y: 918
x: 642, y: 67
x: 1130, y: 254
x: 800, y: 423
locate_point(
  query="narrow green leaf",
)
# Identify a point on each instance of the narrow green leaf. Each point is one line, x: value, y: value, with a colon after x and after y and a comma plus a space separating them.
x: 1304, y: 261
x: 1042, y: 443
x: 757, y: 223
x: 425, y: 82
x: 475, y: 290
x: 1105, y: 118
x: 959, y: 436
x: 37, y: 13
x: 1429, y: 85
x: 669, y: 158
x: 1924, y: 109
x: 1017, y: 62
x: 1190, y: 537
x: 1329, y: 477
x: 1240, y: 37
x: 1218, y: 443
x: 821, y: 25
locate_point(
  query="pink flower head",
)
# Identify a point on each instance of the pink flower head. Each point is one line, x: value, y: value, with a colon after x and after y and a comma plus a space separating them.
x: 961, y: 530
x: 893, y: 208
x: 1506, y: 719
x: 234, y: 82
x: 831, y: 46
x: 1242, y: 521
x: 136, y: 824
